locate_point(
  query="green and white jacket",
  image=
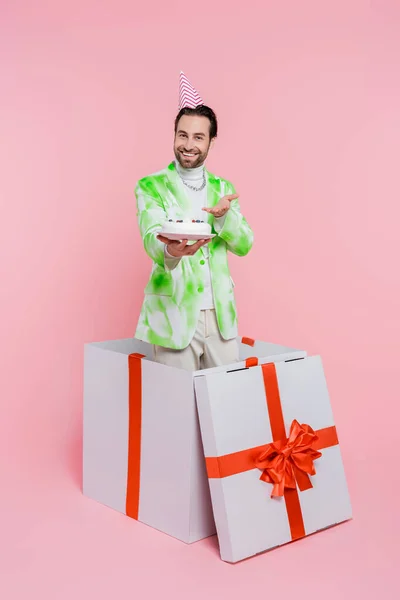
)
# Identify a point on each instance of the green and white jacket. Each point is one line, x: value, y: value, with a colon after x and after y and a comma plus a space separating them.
x: 171, y: 306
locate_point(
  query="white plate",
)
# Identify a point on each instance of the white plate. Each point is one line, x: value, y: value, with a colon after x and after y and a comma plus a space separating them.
x: 189, y: 236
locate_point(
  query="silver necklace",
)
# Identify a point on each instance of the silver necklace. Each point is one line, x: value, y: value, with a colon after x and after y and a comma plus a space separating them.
x: 195, y: 189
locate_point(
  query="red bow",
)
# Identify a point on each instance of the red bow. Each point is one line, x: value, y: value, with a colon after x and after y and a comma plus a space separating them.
x: 289, y: 461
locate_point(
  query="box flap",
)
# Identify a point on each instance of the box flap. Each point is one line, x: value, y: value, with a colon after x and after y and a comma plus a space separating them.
x: 237, y: 425
x: 265, y: 352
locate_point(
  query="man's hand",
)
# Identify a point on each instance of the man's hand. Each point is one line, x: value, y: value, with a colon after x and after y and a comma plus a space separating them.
x: 179, y: 249
x: 223, y: 206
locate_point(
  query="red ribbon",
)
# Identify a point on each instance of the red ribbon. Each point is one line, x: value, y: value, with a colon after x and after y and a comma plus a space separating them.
x: 134, y: 435
x: 291, y: 460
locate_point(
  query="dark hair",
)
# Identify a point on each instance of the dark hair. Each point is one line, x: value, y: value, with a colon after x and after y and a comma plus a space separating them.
x: 200, y: 111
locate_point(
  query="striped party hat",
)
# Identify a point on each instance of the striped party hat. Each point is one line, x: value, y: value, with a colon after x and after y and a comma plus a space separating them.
x: 188, y: 96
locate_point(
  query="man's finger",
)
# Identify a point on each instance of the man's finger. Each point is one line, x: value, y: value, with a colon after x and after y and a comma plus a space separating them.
x: 231, y: 197
x: 163, y: 239
x: 217, y: 213
x: 195, y: 247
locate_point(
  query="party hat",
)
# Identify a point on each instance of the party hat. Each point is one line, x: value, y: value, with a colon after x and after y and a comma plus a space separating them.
x: 188, y: 96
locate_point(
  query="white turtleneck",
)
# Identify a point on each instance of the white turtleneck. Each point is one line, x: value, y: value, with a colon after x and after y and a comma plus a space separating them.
x: 199, y: 200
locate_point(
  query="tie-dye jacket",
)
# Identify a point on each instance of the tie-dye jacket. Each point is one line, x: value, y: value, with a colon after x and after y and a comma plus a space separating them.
x: 171, y: 306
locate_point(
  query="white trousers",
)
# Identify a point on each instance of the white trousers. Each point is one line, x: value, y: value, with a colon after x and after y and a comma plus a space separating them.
x: 207, y: 348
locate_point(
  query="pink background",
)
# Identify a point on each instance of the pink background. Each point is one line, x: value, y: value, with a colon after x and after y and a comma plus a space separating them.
x: 308, y: 96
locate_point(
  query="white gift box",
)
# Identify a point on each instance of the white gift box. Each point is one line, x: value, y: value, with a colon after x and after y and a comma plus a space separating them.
x: 142, y: 450
x: 241, y: 413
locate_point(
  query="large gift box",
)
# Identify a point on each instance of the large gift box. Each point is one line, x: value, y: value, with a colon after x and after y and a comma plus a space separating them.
x: 142, y: 449
x: 272, y: 454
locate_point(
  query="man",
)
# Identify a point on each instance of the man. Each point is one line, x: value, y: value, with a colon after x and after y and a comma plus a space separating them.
x: 189, y: 312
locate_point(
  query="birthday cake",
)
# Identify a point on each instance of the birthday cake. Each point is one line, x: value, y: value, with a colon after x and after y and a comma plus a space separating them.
x: 186, y: 229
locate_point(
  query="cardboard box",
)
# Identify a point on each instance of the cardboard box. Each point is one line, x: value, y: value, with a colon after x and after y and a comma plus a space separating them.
x: 241, y: 414
x: 142, y: 450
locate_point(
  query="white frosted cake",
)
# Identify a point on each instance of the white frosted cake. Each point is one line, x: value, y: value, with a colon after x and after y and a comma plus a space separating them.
x: 186, y: 228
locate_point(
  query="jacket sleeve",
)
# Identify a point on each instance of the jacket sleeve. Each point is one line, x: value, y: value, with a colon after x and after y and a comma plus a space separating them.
x: 171, y: 262
x: 235, y: 231
x: 151, y: 216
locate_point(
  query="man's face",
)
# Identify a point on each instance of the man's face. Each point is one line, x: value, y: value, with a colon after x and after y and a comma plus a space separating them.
x: 192, y: 141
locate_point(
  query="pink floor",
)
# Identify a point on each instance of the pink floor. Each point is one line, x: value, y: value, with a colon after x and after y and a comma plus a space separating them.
x: 56, y: 544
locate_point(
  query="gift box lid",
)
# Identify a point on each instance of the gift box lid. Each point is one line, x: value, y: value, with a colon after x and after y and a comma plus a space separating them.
x: 242, y: 413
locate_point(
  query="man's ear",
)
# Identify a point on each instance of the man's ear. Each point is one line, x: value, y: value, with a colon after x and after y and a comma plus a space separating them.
x: 212, y: 143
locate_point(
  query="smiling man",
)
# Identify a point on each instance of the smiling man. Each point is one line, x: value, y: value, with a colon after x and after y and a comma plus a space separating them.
x: 189, y: 311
